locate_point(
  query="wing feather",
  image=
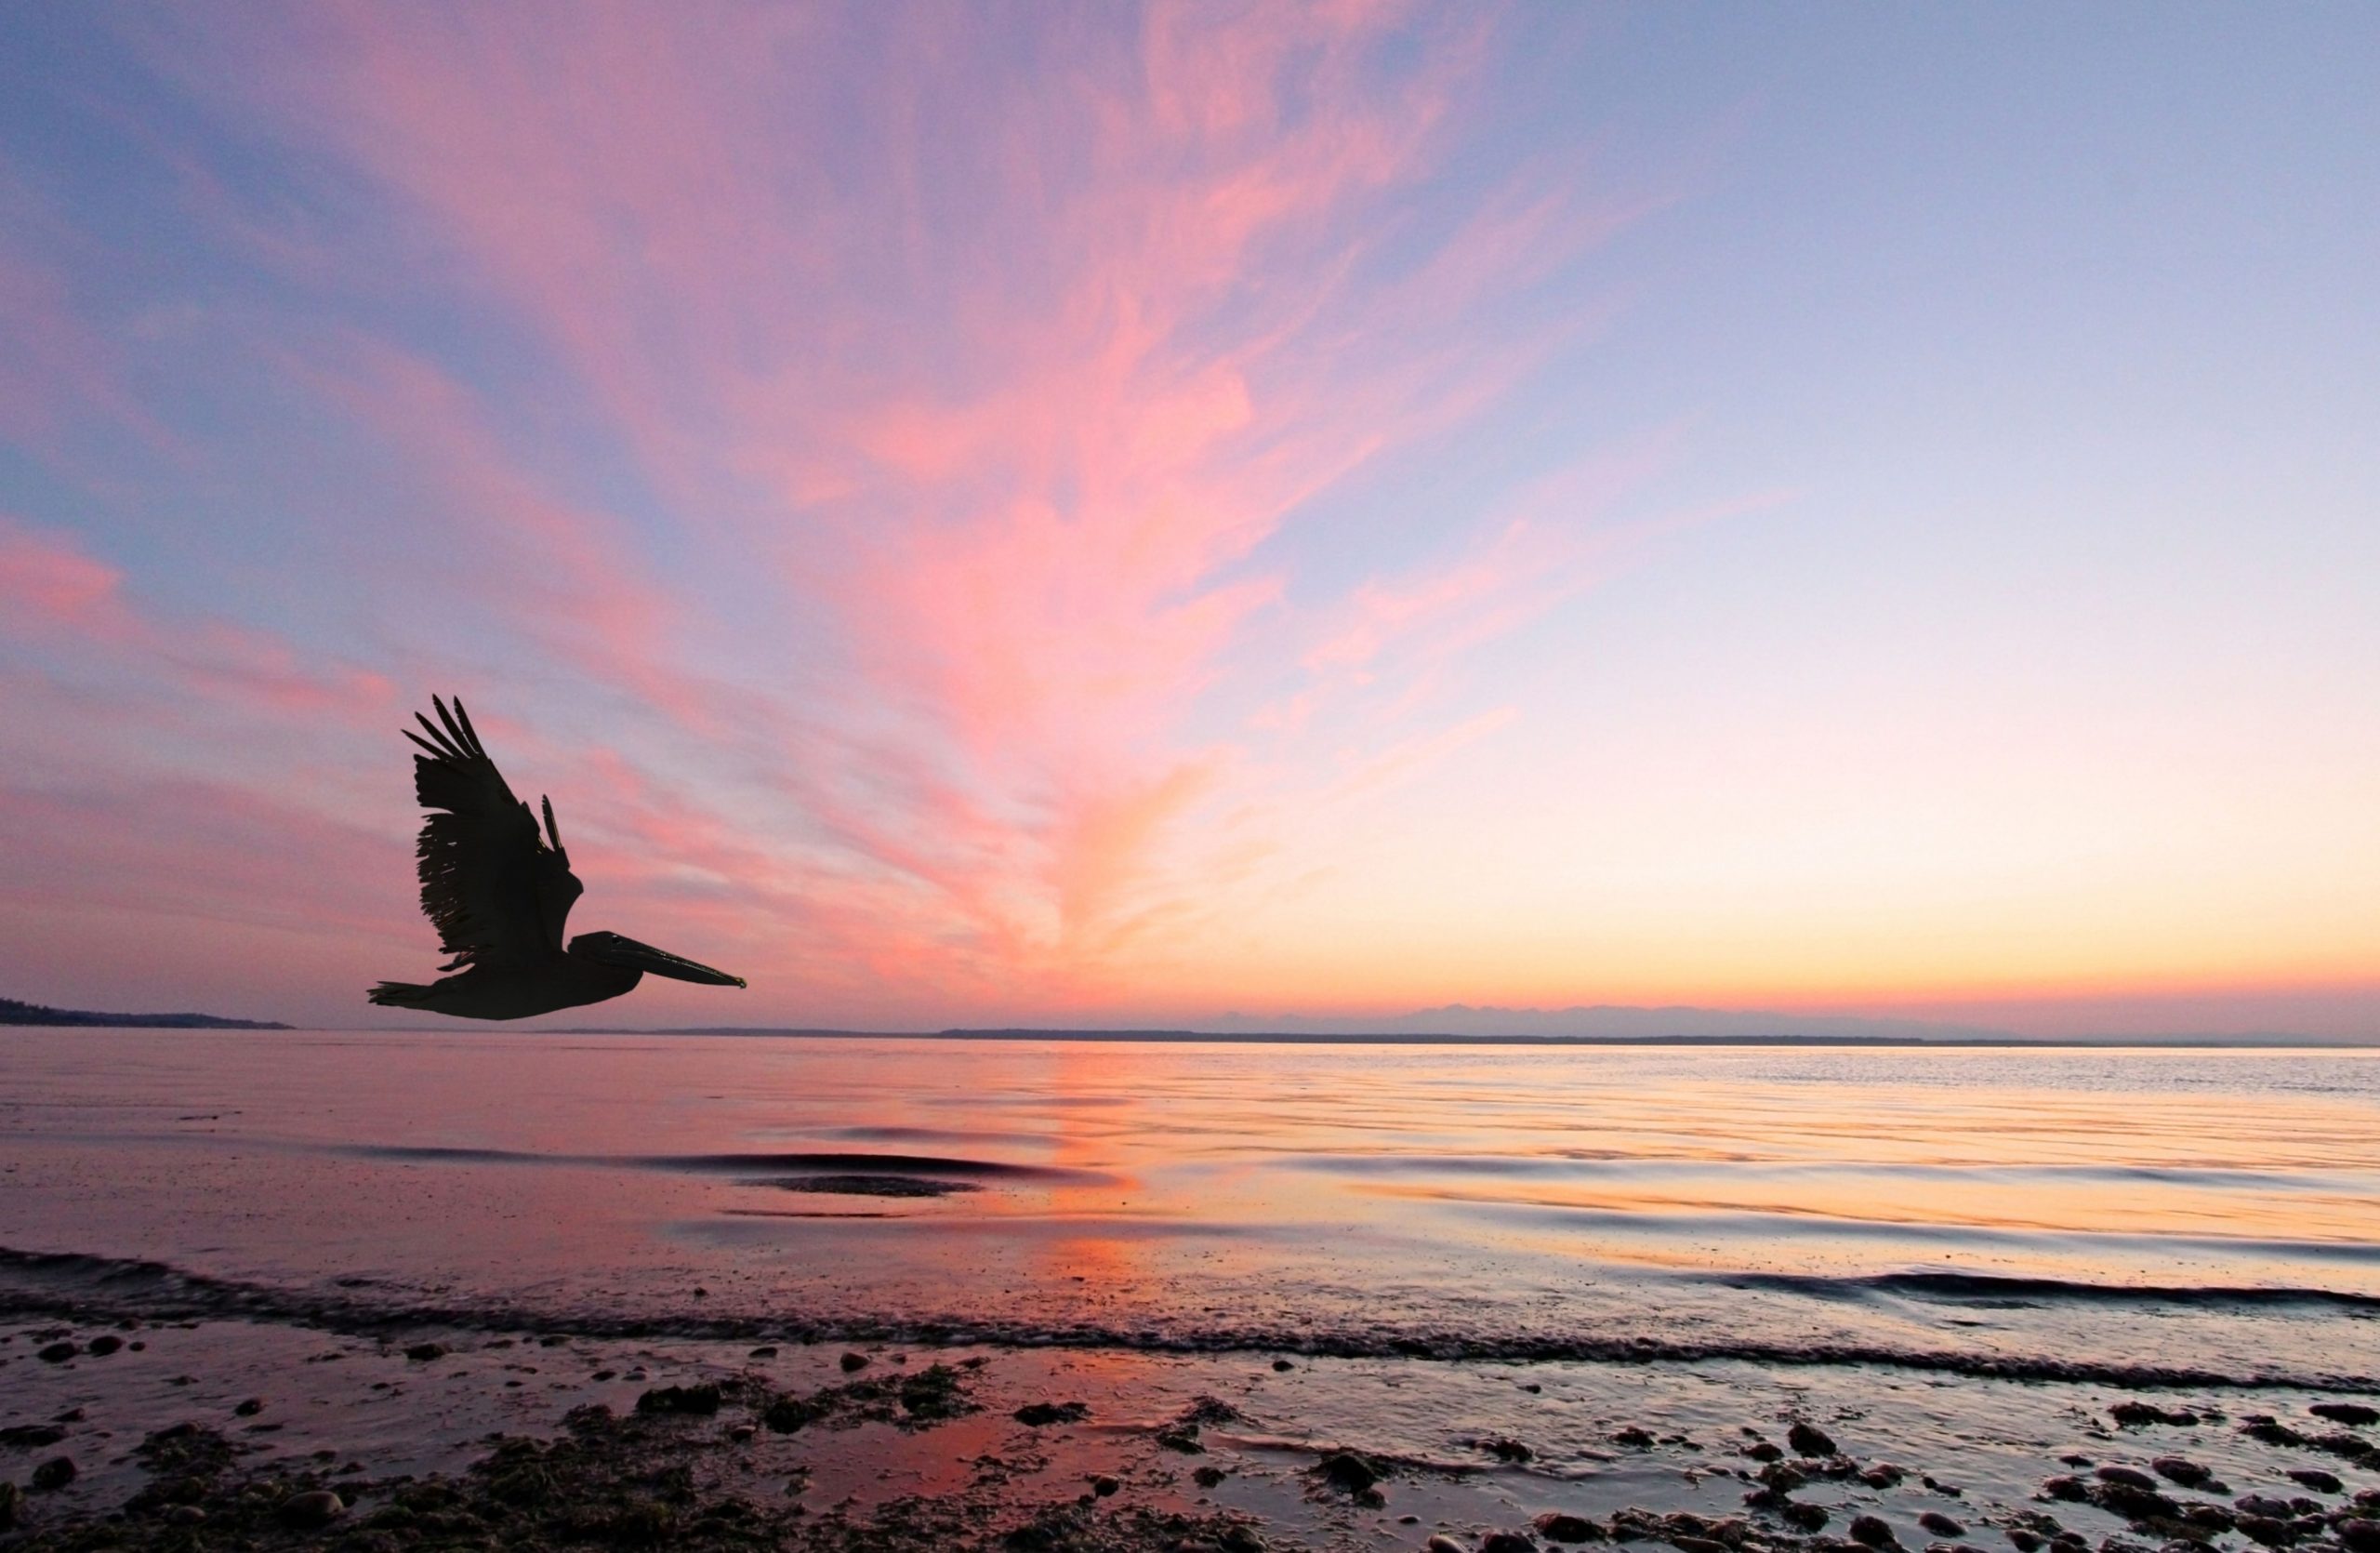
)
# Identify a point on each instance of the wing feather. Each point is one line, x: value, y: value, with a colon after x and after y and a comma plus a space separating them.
x: 496, y: 892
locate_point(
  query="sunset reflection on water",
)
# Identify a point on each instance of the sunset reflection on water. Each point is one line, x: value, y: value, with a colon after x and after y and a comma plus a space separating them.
x: 1174, y: 1189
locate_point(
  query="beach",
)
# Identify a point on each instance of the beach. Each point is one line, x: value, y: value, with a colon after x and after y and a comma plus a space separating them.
x: 759, y: 1293
x: 227, y: 1433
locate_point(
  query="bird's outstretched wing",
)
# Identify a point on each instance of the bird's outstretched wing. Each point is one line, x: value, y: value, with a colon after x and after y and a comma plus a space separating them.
x: 495, y: 889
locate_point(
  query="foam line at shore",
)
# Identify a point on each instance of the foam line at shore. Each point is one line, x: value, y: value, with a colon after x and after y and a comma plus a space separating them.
x: 1991, y: 1287
x: 83, y: 1287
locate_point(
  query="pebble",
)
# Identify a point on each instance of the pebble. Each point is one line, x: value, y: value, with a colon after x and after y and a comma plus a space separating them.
x: 57, y: 1353
x: 1506, y: 1542
x: 2182, y: 1470
x: 55, y: 1473
x: 318, y: 1507
x: 2135, y: 1504
x: 766, y: 1350
x: 103, y: 1344
x: 1941, y: 1525
x: 2360, y: 1535
x: 183, y: 1515
x: 1808, y: 1440
x: 2345, y: 1413
x: 1345, y: 1470
x: 424, y: 1352
x: 1871, y: 1531
x: 700, y: 1399
x: 1102, y: 1485
x: 1042, y: 1415
x: 1283, y: 1365
x: 250, y: 1408
x: 2132, y: 1414
x: 1508, y: 1450
x: 2317, y: 1480
x: 1441, y: 1543
x: 2069, y: 1489
x: 853, y: 1361
x: 1559, y: 1526
x: 1208, y: 1477
x: 2128, y: 1477
x: 1804, y: 1518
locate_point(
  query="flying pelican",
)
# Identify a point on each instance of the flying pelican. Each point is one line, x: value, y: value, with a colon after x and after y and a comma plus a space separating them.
x: 497, y: 893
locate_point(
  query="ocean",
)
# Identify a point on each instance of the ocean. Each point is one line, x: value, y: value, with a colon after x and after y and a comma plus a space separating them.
x: 2191, y: 1216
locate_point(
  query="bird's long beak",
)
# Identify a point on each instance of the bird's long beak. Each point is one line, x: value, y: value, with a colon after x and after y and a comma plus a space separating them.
x: 629, y: 954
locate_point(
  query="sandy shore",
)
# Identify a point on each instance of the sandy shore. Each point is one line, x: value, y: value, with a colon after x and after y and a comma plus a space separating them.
x: 267, y: 1434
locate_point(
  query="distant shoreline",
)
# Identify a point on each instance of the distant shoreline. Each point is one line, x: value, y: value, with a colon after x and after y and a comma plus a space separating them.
x: 14, y: 1013
x: 1402, y: 1038
x: 36, y: 1015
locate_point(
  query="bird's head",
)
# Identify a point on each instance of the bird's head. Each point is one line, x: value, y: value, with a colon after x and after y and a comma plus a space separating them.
x: 611, y: 949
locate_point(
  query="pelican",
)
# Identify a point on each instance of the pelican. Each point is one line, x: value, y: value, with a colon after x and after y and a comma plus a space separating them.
x: 497, y: 893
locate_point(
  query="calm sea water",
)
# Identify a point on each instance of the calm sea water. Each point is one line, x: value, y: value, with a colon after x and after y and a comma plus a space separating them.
x: 2217, y: 1211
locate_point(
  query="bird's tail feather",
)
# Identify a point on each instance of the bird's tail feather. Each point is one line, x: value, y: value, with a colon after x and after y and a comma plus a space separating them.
x: 401, y: 994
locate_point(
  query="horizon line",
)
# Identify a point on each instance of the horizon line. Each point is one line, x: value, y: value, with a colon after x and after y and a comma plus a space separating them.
x: 1404, y: 1038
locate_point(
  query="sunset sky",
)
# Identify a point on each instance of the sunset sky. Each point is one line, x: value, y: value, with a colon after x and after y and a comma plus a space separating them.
x: 1091, y: 513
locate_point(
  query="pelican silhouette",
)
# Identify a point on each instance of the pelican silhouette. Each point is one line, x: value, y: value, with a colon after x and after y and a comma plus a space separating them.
x: 497, y: 893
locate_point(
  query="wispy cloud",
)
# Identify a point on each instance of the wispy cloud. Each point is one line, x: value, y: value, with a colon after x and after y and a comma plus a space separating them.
x: 52, y: 591
x: 924, y: 398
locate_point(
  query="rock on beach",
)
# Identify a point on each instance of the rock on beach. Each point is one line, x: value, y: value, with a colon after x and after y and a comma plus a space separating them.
x: 1557, y: 1526
x: 314, y: 1508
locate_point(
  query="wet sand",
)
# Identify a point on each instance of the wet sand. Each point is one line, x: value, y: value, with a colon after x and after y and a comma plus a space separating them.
x: 236, y: 1433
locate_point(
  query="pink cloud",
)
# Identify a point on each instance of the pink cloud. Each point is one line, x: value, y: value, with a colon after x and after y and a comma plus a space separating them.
x: 1002, y: 378
x: 45, y: 577
x: 60, y: 371
x: 52, y: 589
x: 567, y: 576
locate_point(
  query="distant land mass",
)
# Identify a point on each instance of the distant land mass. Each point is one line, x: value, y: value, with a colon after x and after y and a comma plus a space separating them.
x: 1458, y: 1022
x: 15, y: 1012
x: 1608, y: 1022
x: 1601, y: 1024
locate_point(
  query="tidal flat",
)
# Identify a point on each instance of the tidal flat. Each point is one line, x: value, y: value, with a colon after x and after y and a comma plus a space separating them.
x: 265, y: 1434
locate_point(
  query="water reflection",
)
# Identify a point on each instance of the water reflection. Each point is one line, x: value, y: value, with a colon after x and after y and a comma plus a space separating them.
x: 1168, y: 1185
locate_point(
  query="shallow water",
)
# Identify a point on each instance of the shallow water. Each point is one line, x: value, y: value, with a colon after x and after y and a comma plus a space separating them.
x: 2209, y: 1216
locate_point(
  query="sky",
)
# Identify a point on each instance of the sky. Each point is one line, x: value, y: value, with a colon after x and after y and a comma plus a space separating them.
x: 1114, y: 514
